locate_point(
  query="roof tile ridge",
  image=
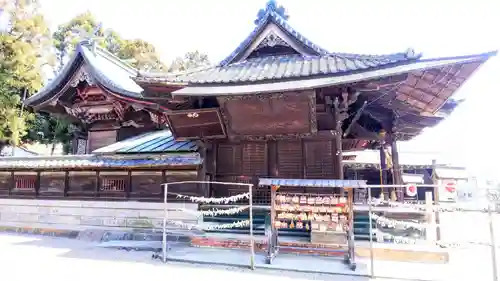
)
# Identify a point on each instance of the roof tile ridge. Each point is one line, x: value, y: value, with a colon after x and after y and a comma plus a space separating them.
x: 102, y: 52
x: 409, y: 54
x: 141, y: 74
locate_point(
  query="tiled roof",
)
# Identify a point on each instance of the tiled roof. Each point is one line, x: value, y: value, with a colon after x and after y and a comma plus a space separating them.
x: 371, y: 158
x: 283, y: 67
x: 95, y: 161
x: 108, y: 71
x: 152, y: 142
x: 312, y: 183
x: 343, y: 76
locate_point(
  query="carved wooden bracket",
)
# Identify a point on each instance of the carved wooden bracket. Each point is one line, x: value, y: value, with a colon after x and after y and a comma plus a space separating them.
x: 82, y: 76
x: 272, y: 40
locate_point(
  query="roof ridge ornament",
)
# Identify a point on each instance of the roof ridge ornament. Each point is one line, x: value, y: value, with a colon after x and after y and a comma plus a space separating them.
x: 411, y: 53
x: 91, y: 37
x: 271, y: 6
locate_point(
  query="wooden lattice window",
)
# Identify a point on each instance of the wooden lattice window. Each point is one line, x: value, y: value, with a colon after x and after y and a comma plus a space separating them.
x: 113, y: 185
x: 229, y: 159
x: 319, y: 160
x: 24, y: 180
x: 113, y: 181
x: 290, y: 159
x: 254, y: 159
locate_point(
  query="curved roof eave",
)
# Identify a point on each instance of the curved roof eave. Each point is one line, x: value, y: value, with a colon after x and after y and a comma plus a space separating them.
x: 56, y: 84
x: 117, y: 70
x: 308, y: 83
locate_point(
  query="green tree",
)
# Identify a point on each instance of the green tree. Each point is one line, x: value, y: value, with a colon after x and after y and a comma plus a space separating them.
x: 25, y: 49
x: 51, y: 130
x: 139, y: 53
x: 189, y: 61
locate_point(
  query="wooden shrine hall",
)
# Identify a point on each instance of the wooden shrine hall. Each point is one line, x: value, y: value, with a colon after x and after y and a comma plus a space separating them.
x: 279, y: 106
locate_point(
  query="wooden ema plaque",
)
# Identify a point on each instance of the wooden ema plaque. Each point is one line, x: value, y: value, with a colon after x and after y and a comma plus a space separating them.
x: 325, y: 216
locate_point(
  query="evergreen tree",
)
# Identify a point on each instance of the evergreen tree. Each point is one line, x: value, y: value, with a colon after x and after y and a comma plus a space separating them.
x: 190, y: 60
x: 25, y: 49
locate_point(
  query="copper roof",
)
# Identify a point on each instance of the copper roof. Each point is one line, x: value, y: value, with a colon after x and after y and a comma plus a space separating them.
x: 152, y: 142
x: 96, y: 161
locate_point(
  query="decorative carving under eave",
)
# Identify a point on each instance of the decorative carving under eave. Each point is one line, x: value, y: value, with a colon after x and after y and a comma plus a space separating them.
x: 158, y: 118
x: 271, y: 137
x: 77, y: 112
x: 348, y: 98
x: 254, y: 97
x: 272, y: 40
x: 132, y: 123
x: 82, y: 76
x: 102, y: 117
x: 119, y: 109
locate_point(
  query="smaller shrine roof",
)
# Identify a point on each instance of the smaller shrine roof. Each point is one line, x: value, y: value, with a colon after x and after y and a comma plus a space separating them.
x: 106, y: 69
x: 370, y: 158
x: 313, y: 182
x: 96, y: 161
x: 152, y: 142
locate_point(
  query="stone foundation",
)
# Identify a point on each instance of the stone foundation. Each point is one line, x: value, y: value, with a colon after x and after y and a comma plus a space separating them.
x: 85, y: 215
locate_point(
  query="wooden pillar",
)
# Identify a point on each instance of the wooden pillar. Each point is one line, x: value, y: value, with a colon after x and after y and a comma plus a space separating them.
x: 272, y: 156
x: 37, y: 184
x: 203, y: 148
x: 66, y: 183
x: 12, y: 183
x: 435, y: 182
x: 333, y: 109
x: 97, y: 184
x: 396, y: 168
x: 383, y: 166
x: 129, y: 185
x: 215, y: 156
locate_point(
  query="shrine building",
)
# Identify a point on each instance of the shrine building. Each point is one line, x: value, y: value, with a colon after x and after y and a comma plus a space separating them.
x: 278, y: 106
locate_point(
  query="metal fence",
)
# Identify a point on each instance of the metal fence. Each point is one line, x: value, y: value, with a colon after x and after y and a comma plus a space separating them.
x: 407, y: 240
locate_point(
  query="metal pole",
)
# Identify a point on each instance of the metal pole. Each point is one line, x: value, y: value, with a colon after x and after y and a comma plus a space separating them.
x: 165, y: 214
x: 250, y: 212
x: 493, y: 244
x: 371, y: 230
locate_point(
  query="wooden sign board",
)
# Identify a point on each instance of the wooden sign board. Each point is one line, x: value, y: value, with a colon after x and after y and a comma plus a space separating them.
x: 196, y: 124
x: 270, y: 115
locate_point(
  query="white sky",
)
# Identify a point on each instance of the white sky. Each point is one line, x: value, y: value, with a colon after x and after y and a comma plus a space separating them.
x: 433, y: 27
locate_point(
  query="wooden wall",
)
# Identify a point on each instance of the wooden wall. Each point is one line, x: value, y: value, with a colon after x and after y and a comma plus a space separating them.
x: 141, y: 185
x: 247, y: 160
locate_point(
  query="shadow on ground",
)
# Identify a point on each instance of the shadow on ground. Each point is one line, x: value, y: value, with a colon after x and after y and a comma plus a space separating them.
x: 233, y: 260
